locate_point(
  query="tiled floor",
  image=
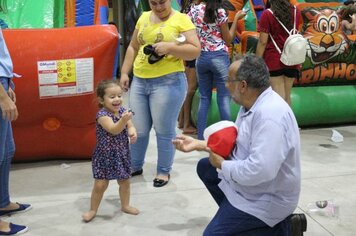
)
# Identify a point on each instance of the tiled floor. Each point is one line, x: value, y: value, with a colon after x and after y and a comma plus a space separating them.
x: 183, y: 207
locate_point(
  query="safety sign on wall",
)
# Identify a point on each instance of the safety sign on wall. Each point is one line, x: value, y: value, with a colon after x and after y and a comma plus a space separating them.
x: 70, y: 77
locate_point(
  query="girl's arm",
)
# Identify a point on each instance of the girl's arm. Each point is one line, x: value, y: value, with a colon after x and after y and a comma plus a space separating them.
x: 131, y: 53
x: 115, y: 128
x: 131, y: 132
x: 229, y: 34
x: 261, y: 45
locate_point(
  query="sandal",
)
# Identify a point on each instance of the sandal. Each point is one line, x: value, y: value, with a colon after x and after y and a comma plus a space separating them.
x: 160, y: 182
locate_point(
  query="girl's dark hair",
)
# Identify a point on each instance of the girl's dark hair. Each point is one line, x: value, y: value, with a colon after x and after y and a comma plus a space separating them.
x: 102, y: 86
x: 282, y: 10
x: 211, y: 10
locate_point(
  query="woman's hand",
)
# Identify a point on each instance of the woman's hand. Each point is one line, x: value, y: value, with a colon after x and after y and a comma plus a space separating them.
x: 125, y: 81
x: 163, y: 48
x: 240, y: 14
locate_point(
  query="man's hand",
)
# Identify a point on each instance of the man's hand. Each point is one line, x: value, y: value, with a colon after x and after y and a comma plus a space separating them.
x: 186, y: 143
x: 215, y: 160
x: 7, y: 104
x: 12, y: 95
x: 8, y: 108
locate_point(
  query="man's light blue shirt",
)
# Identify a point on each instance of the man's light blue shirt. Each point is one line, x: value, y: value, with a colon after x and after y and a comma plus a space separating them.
x: 263, y: 177
x: 6, y: 67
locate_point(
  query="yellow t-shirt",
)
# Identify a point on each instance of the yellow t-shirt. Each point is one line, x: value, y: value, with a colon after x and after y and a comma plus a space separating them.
x: 150, y: 33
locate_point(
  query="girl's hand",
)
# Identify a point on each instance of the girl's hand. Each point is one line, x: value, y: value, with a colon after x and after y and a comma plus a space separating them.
x: 132, y: 135
x: 240, y: 14
x: 126, y: 116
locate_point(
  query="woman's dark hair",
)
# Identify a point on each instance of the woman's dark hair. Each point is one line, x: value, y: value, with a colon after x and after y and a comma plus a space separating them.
x: 102, y: 86
x: 186, y: 6
x: 349, y: 2
x: 211, y: 10
x: 268, y: 4
x: 282, y: 10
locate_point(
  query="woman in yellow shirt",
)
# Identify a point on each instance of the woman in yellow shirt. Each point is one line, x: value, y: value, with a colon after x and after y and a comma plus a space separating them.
x: 159, y: 85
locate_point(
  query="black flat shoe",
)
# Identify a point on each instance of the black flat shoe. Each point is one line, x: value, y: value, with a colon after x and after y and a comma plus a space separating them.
x: 137, y: 172
x: 160, y: 182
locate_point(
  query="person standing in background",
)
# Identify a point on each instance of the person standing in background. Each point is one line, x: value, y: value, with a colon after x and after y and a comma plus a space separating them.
x: 281, y: 76
x: 185, y: 121
x: 8, y: 113
x: 212, y: 65
x: 159, y: 85
x: 348, y: 19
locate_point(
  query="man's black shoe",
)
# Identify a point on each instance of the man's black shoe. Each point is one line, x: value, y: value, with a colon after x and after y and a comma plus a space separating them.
x: 299, y: 224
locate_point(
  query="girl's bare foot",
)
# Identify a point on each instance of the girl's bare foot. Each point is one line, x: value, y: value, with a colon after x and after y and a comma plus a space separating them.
x: 88, y: 216
x: 130, y: 210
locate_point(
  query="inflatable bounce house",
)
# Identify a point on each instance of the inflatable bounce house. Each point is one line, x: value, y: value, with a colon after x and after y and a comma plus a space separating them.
x: 62, y: 50
x: 326, y: 92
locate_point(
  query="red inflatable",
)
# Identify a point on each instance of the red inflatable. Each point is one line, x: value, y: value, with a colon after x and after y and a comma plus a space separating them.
x: 55, y: 96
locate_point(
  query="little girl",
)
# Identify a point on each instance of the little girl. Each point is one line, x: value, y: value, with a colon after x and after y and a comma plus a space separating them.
x: 111, y: 158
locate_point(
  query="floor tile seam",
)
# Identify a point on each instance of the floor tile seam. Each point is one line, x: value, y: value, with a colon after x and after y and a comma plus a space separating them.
x: 329, y: 176
x: 48, y: 198
x: 168, y: 191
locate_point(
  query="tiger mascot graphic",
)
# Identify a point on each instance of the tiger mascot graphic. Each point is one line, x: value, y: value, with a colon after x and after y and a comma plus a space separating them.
x: 323, y: 32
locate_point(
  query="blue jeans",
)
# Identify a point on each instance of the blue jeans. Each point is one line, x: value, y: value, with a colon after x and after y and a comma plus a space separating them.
x: 230, y: 220
x: 212, y: 69
x: 7, y: 150
x: 156, y: 102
